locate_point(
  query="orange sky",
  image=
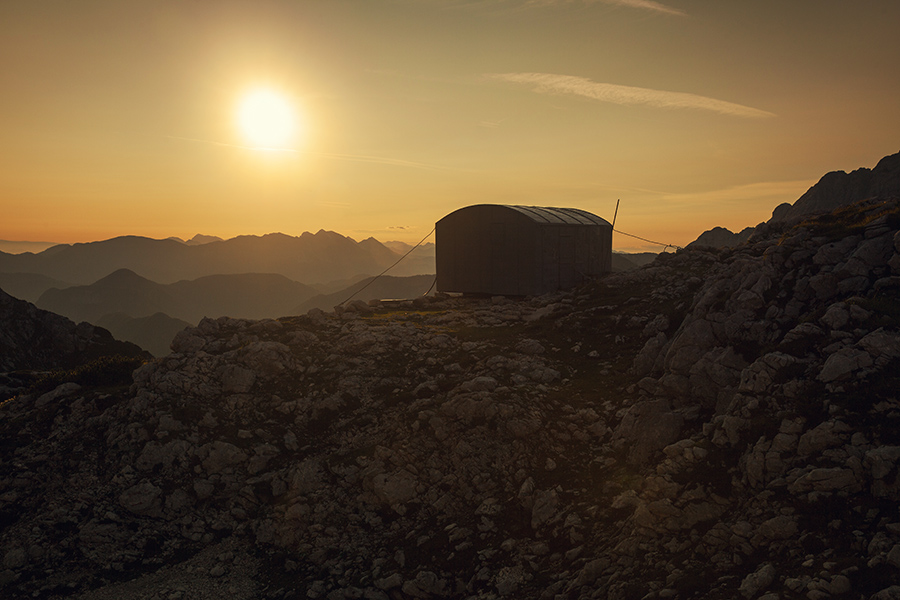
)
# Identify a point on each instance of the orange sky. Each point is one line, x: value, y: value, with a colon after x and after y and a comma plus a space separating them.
x: 121, y: 117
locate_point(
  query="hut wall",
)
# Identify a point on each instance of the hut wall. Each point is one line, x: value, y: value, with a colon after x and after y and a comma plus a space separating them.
x: 495, y: 249
x: 486, y: 250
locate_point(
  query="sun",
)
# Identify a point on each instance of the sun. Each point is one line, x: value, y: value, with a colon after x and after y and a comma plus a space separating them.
x: 266, y: 119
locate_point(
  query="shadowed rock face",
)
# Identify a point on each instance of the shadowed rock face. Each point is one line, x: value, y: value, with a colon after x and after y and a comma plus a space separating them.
x: 838, y: 188
x: 717, y: 424
x: 834, y: 190
x: 35, y: 339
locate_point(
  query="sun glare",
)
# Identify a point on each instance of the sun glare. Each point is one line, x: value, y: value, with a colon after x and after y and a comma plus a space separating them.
x: 266, y: 119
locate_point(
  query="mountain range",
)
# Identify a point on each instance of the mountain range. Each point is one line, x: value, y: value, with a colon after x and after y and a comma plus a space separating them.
x: 310, y: 258
x: 249, y: 295
x: 17, y: 247
x: 149, y: 314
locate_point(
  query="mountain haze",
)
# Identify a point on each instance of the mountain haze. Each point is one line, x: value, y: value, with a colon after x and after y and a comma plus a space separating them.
x: 153, y: 333
x: 622, y: 261
x: 310, y: 258
x: 29, y: 286
x: 19, y: 247
x: 247, y: 295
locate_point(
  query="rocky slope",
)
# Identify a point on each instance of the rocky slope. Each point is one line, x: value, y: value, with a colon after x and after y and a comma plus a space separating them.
x: 832, y: 191
x: 717, y: 424
x: 35, y: 339
x: 839, y: 188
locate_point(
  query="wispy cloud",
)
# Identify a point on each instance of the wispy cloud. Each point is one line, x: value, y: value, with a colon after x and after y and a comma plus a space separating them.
x: 641, y: 4
x: 649, y: 5
x: 549, y: 83
x: 490, y: 124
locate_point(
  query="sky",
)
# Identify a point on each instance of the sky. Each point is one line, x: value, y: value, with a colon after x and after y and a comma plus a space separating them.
x: 123, y: 117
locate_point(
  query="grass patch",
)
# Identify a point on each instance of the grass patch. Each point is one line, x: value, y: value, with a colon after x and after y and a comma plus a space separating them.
x: 852, y: 219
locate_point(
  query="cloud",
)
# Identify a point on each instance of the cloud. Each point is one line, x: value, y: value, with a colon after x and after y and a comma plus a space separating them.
x: 490, y: 124
x: 641, y: 4
x: 648, y: 5
x: 549, y: 83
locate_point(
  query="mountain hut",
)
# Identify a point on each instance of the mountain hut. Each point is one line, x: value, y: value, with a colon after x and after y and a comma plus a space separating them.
x: 519, y: 250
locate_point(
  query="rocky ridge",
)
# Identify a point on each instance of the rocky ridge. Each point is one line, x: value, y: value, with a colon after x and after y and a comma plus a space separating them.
x: 35, y: 339
x: 717, y: 424
x: 839, y: 188
x: 832, y: 191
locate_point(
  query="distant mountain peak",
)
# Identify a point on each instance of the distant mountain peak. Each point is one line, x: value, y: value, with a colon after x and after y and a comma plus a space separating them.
x: 719, y: 237
x: 122, y: 276
x: 120, y: 273
x: 199, y: 239
x: 371, y: 241
x: 311, y: 258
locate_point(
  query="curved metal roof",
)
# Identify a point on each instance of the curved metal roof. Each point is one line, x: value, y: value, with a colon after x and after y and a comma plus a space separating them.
x: 559, y: 216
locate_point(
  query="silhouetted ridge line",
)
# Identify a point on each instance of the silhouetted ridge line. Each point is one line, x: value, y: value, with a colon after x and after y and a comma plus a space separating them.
x: 649, y: 241
x: 397, y: 262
